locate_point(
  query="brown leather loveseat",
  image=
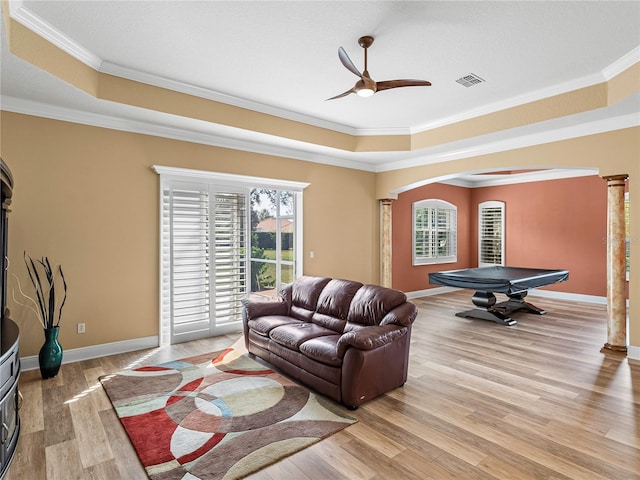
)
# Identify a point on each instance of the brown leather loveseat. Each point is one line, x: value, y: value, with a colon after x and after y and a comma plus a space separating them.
x: 346, y: 340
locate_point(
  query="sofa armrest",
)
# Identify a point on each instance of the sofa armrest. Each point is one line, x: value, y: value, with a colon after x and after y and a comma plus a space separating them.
x: 369, y: 338
x: 402, y: 315
x: 260, y: 308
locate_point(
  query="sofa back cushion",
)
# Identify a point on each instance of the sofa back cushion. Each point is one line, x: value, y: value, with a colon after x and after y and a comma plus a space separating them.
x: 370, y: 304
x: 304, y: 296
x: 334, y: 303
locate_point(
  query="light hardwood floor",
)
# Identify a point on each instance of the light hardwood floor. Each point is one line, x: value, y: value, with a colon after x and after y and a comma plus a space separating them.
x: 537, y: 400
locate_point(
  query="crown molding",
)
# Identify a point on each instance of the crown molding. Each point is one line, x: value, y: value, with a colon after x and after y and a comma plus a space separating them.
x: 249, y: 144
x: 276, y: 146
x: 606, y: 74
x: 30, y: 20
x: 201, y: 92
x: 191, y: 174
x: 516, y: 101
x: 54, y: 36
x: 489, y: 180
x: 623, y: 63
x: 520, y: 141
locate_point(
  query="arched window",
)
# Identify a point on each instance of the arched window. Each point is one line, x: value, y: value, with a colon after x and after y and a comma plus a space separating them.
x: 435, y: 228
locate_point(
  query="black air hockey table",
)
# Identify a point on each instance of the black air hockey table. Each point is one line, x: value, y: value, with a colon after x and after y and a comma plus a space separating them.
x: 512, y: 281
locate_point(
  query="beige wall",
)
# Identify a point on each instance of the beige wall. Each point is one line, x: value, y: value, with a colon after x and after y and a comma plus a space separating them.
x: 616, y: 152
x: 87, y: 198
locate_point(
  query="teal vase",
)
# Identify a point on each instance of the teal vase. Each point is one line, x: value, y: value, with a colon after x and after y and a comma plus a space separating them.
x: 50, y: 356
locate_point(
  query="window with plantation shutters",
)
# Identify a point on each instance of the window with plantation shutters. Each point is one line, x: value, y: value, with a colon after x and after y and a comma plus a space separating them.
x: 490, y: 233
x: 435, y: 230
x: 204, y: 234
x: 207, y: 250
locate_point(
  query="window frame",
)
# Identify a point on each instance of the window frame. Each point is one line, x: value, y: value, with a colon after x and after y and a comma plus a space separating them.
x: 434, y: 204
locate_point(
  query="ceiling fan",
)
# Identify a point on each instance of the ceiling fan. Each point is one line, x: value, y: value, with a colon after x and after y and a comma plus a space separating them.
x: 366, y: 86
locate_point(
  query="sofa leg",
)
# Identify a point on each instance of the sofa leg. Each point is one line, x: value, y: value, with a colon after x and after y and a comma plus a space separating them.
x: 351, y: 407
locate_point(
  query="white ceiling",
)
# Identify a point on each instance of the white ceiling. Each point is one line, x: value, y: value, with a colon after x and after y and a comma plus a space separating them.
x: 281, y: 58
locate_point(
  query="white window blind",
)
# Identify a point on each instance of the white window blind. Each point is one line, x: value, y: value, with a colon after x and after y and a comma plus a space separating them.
x: 627, y: 231
x: 434, y: 232
x: 491, y: 233
x: 230, y: 270
x: 203, y: 257
x: 189, y: 258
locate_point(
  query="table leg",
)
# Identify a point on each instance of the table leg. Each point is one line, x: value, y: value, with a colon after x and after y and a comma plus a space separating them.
x: 487, y: 311
x: 516, y: 302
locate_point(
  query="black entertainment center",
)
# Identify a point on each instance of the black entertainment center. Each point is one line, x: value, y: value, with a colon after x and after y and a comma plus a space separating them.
x: 10, y: 398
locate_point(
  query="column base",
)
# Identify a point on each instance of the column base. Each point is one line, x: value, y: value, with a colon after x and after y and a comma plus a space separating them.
x: 614, y: 348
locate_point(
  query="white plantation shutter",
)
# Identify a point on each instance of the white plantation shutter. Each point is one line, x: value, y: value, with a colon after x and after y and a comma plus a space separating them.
x: 203, y: 258
x: 190, y: 260
x: 491, y: 233
x: 230, y: 264
x: 627, y: 232
x: 434, y: 232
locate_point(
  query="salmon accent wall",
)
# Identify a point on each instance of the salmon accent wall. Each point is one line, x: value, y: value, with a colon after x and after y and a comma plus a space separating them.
x: 405, y: 276
x: 551, y: 224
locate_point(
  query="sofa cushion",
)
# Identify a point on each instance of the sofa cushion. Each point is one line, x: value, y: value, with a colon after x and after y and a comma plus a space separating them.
x: 294, y: 334
x: 336, y: 298
x: 323, y: 349
x: 306, y: 291
x: 301, y: 313
x: 263, y: 325
x: 371, y: 303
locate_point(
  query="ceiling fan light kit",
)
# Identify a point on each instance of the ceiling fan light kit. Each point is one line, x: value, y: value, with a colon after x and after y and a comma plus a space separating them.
x: 366, y: 86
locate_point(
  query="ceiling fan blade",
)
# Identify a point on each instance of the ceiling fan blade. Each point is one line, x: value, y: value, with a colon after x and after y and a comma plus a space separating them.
x: 346, y: 61
x: 387, y: 84
x: 344, y: 94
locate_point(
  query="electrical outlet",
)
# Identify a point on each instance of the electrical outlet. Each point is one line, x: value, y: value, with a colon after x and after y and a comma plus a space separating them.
x: 81, y: 328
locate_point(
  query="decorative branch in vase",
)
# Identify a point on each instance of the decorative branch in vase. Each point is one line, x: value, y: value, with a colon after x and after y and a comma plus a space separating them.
x: 47, y: 281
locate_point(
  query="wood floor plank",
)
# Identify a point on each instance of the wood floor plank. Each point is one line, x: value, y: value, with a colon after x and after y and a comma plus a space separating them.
x: 95, y: 390
x: 89, y: 432
x: 382, y: 444
x: 29, y: 462
x: 536, y: 401
x: 349, y: 466
x: 127, y: 461
x: 63, y: 461
x: 32, y: 411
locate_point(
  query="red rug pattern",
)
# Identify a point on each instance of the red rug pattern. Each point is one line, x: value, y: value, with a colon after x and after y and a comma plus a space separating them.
x: 217, y: 416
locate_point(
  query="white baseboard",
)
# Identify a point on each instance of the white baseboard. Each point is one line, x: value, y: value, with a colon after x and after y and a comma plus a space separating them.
x: 96, y: 351
x: 633, y: 353
x: 430, y: 291
x: 574, y: 297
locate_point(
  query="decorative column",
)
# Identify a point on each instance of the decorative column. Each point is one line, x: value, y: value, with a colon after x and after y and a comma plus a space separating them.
x: 616, y: 266
x: 385, y: 247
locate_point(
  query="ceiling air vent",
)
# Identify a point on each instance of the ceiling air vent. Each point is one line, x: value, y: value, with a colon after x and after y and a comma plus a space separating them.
x: 470, y: 80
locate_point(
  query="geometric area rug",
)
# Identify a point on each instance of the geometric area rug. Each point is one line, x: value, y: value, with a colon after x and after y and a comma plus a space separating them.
x: 217, y: 416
